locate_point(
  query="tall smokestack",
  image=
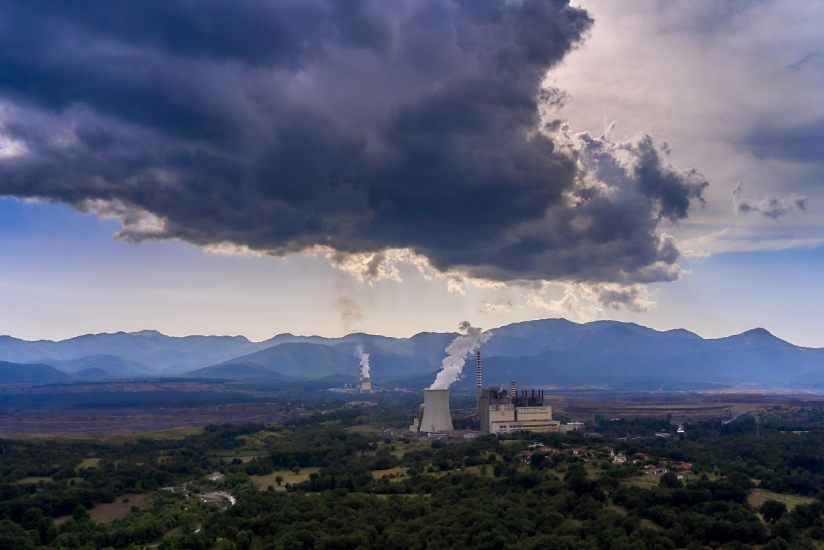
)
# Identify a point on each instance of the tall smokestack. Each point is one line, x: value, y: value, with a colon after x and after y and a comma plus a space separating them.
x: 512, y: 390
x: 478, y: 380
x: 436, y: 411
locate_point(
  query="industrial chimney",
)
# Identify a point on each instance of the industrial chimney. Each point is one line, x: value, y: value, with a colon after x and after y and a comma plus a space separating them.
x: 478, y: 380
x: 436, y: 411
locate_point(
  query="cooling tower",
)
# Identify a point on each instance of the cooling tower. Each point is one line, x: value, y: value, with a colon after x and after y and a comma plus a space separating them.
x: 436, y: 411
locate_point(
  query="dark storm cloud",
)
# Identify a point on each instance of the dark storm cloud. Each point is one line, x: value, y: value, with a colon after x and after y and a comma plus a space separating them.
x: 360, y: 126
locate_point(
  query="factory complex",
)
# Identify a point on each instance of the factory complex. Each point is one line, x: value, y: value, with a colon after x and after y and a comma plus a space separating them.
x: 500, y: 411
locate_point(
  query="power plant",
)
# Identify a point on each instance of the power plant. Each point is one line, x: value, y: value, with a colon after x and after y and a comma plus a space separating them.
x: 499, y: 411
x: 365, y: 385
x: 365, y: 382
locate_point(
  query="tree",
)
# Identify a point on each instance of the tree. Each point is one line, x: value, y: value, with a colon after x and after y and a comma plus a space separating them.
x: 243, y: 540
x: 772, y: 510
x: 14, y: 537
x: 79, y: 513
x: 670, y: 481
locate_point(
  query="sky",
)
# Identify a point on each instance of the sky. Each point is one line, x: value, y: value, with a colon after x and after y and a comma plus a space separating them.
x: 320, y: 167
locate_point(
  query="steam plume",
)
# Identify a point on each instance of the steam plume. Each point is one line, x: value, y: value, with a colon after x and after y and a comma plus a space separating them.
x: 364, y: 363
x: 458, y: 351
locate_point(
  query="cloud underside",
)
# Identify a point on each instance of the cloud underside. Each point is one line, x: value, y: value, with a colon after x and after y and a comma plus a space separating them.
x: 358, y: 128
x: 768, y: 206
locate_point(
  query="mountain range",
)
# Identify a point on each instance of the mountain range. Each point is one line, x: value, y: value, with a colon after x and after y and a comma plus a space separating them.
x: 546, y: 353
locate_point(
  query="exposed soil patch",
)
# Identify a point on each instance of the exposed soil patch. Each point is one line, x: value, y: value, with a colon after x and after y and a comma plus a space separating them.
x: 106, y: 513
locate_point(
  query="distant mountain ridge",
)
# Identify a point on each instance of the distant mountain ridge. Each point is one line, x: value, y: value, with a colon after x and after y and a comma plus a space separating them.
x: 15, y: 373
x: 547, y: 353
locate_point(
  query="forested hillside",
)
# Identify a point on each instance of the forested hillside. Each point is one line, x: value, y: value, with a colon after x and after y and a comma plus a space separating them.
x: 328, y: 481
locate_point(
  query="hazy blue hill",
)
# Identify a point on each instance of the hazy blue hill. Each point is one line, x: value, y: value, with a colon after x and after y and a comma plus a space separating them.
x: 622, y: 356
x: 152, y: 349
x: 301, y: 360
x: 371, y: 340
x: 93, y: 373
x: 681, y: 333
x: 532, y: 337
x: 113, y: 365
x: 427, y: 348
x: 16, y: 373
x: 21, y: 351
x: 156, y: 350
x: 239, y: 371
x: 289, y: 338
x: 544, y: 352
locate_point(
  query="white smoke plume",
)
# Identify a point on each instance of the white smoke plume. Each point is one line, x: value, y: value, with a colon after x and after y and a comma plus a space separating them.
x: 458, y: 351
x: 364, y: 363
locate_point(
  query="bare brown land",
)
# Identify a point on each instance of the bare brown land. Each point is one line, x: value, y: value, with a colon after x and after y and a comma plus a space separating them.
x: 160, y: 423
x: 106, y: 513
x: 177, y: 408
x: 683, y: 407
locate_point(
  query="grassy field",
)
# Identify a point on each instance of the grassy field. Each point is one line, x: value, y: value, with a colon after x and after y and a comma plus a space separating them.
x: 477, y: 470
x: 34, y: 479
x: 760, y: 496
x: 620, y: 510
x: 244, y: 458
x: 171, y: 433
x: 262, y: 482
x: 400, y: 447
x: 88, y: 463
x: 645, y: 482
x: 377, y: 474
x: 258, y: 439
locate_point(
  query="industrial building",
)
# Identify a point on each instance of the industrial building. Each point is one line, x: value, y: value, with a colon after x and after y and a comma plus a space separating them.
x: 506, y: 412
x: 499, y: 411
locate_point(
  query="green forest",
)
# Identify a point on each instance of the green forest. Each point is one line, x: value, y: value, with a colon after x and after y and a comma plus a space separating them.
x: 352, y: 479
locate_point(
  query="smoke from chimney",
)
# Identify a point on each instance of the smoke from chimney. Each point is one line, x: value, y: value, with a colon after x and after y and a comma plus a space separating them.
x: 364, y: 364
x: 457, y: 352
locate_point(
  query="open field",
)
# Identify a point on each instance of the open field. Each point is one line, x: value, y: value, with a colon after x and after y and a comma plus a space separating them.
x: 149, y: 423
x: 377, y: 474
x: 682, y: 406
x: 760, y: 496
x: 100, y: 409
x: 398, y: 448
x: 245, y: 458
x: 263, y: 482
x: 106, y: 513
x: 645, y: 482
x: 160, y: 435
x: 34, y: 479
x: 88, y: 463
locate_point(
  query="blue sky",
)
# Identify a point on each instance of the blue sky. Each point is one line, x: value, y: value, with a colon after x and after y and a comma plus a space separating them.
x: 206, y: 196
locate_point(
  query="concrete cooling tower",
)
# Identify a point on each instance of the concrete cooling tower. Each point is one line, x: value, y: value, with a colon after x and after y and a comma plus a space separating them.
x: 436, y: 411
